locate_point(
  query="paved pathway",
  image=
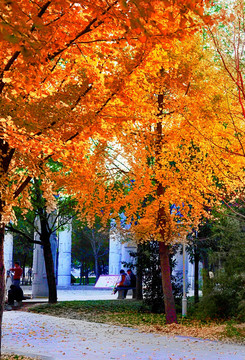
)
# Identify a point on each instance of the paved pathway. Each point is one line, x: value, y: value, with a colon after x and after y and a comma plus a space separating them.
x: 77, y: 293
x: 65, y: 339
x: 57, y: 338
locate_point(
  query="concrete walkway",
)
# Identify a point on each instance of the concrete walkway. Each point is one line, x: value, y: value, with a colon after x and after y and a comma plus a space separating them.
x: 76, y: 293
x: 57, y: 338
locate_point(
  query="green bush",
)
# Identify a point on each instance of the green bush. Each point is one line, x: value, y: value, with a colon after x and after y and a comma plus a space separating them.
x: 224, y: 300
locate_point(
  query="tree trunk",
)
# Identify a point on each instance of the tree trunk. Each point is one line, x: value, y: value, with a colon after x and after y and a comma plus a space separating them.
x: 196, y: 276
x: 86, y: 275
x: 169, y: 304
x: 162, y: 224
x: 2, y: 280
x: 96, y: 266
x: 49, y: 263
x: 139, y: 273
x: 205, y: 276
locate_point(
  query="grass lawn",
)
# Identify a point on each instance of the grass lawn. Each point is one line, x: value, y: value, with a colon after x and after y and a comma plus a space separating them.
x: 133, y: 313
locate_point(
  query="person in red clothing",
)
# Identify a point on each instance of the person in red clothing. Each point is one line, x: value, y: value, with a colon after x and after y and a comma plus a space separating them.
x: 123, y: 282
x: 17, y: 273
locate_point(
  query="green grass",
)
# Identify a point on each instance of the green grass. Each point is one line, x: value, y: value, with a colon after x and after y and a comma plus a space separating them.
x: 133, y: 313
x: 118, y: 312
x: 234, y: 332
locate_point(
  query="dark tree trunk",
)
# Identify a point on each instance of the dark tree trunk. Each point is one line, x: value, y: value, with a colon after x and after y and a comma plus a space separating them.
x: 96, y: 266
x: 205, y: 276
x: 86, y: 275
x: 2, y: 281
x: 169, y: 304
x: 139, y: 274
x: 162, y: 224
x: 49, y: 263
x: 196, y: 276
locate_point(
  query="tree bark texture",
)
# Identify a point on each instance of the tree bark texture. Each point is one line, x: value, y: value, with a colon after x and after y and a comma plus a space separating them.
x: 162, y: 223
x: 49, y: 263
x: 196, y: 276
x: 205, y: 276
x: 139, y: 273
x: 169, y: 304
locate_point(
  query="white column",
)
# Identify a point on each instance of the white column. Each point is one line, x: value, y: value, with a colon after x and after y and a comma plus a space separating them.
x: 39, y: 280
x: 115, y: 252
x: 128, y: 248
x: 64, y: 258
x: 191, y: 275
x: 8, y: 257
x: 178, y: 269
x: 8, y: 251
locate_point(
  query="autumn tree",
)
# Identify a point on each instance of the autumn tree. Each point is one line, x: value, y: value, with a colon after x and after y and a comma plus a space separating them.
x: 219, y: 124
x: 44, y: 219
x: 62, y: 63
x: 167, y: 179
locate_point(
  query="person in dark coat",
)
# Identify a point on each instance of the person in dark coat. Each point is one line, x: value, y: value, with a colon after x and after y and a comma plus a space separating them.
x: 15, y: 293
x: 132, y: 278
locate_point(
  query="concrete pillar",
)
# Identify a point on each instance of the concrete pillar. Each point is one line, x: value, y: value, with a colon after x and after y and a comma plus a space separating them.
x: 119, y: 251
x: 39, y: 276
x: 127, y: 248
x: 64, y: 257
x: 178, y: 269
x: 8, y: 258
x: 39, y: 282
x: 115, y: 252
x: 191, y: 275
x: 8, y: 251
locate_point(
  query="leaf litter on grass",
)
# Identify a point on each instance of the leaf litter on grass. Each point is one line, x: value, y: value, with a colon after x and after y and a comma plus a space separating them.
x: 133, y: 314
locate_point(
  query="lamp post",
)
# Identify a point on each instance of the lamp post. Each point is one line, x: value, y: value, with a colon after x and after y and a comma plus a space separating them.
x: 184, y: 298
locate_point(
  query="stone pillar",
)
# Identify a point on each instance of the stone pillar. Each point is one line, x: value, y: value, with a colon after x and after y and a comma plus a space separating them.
x: 127, y: 248
x: 39, y: 276
x: 115, y: 252
x: 8, y: 258
x: 8, y: 251
x: 178, y: 269
x: 119, y: 251
x: 191, y: 275
x: 39, y: 282
x: 64, y: 257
